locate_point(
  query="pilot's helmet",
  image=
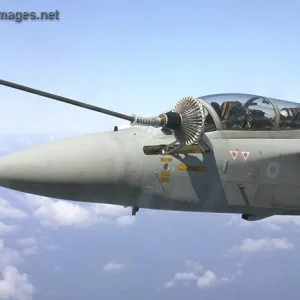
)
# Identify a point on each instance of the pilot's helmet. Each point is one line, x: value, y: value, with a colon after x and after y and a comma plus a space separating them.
x: 217, y: 107
x: 285, y: 112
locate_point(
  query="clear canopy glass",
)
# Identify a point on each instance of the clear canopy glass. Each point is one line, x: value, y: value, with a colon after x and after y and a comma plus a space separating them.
x: 251, y: 112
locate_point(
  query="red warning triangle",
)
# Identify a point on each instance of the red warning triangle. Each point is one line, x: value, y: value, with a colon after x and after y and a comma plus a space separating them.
x: 245, y: 155
x: 234, y: 154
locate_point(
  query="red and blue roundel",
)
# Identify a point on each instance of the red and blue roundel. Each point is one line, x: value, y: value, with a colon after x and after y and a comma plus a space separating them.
x: 273, y: 169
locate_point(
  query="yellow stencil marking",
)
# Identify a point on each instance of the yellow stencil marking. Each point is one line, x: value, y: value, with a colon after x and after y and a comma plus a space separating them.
x: 183, y: 167
x: 164, y: 179
x: 166, y: 159
x: 165, y: 173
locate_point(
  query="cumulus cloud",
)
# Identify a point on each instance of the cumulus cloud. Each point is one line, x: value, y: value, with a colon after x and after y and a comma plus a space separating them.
x: 15, y: 285
x: 252, y: 246
x: 30, y: 241
x: 125, y: 221
x: 29, y: 245
x: 7, y: 229
x: 195, y: 273
x: 271, y: 223
x: 210, y: 279
x: 169, y: 284
x: 108, y: 210
x: 185, y: 276
x: 8, y: 256
x: 61, y: 213
x: 8, y: 211
x: 112, y: 267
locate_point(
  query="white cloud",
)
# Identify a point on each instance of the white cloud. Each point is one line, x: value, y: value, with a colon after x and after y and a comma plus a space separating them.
x: 15, y: 285
x: 62, y: 213
x: 277, y: 222
x: 125, y: 221
x: 169, y: 284
x: 209, y: 279
x: 8, y: 211
x: 108, y: 210
x: 29, y: 245
x: 185, y: 276
x: 194, y: 266
x: 111, y: 266
x: 271, y: 223
x: 8, y: 256
x: 236, y: 220
x: 30, y: 241
x: 252, y: 246
x: 7, y: 229
x: 194, y: 272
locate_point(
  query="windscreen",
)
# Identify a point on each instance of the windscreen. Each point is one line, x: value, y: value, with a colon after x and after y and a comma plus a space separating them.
x: 252, y: 112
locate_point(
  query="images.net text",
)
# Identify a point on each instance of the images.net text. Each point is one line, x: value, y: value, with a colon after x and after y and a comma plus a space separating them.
x: 30, y: 16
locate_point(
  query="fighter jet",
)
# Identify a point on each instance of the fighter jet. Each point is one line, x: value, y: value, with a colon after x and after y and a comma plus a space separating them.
x: 221, y: 153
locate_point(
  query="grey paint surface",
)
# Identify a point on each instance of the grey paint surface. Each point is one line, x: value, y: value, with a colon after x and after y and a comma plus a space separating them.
x: 112, y: 168
x: 248, y: 160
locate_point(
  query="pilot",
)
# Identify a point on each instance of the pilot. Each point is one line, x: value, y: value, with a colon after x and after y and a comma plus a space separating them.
x: 286, y: 117
x: 217, y: 108
x: 286, y: 113
x: 233, y: 113
x: 209, y: 121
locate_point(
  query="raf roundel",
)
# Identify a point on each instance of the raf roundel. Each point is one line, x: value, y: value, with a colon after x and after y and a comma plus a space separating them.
x: 273, y: 169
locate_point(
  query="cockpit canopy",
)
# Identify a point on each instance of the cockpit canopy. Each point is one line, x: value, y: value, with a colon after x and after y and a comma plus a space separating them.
x: 249, y: 112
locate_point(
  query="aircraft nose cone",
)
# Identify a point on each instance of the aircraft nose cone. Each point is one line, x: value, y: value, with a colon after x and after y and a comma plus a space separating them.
x: 83, y: 168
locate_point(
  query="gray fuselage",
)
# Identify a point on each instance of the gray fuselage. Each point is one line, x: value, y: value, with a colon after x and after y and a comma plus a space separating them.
x: 112, y: 168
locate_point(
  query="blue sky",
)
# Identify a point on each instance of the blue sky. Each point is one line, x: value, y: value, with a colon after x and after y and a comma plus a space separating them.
x: 140, y: 57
